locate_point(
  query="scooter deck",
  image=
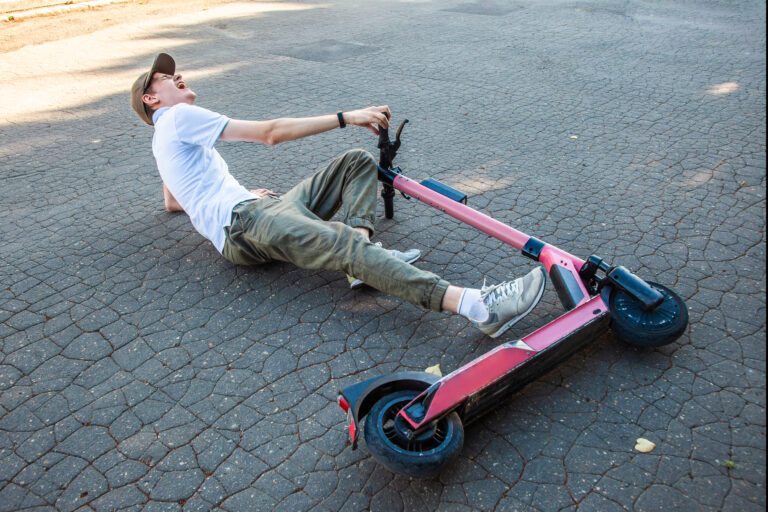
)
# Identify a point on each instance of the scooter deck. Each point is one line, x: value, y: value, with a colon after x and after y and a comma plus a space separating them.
x: 533, y: 368
x: 476, y: 386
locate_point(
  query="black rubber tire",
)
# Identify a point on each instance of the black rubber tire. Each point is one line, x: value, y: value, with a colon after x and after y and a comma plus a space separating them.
x: 423, y: 457
x: 654, y: 328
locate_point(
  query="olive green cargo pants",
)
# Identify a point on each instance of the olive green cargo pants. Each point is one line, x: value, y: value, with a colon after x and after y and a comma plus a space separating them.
x: 296, y: 228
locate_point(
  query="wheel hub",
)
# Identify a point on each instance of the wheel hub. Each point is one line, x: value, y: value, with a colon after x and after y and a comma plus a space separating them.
x: 404, y: 430
x: 400, y: 434
x: 660, y: 317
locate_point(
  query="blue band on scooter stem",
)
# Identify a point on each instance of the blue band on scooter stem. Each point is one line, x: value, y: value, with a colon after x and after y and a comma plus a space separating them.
x: 386, y: 176
x: 532, y: 248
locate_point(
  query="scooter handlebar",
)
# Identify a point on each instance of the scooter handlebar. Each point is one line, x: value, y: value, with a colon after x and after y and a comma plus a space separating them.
x: 387, y: 148
x: 383, y: 135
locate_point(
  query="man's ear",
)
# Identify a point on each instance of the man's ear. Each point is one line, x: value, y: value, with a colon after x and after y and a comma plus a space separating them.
x: 149, y: 100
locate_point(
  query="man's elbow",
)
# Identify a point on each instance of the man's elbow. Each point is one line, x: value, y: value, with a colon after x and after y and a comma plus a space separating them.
x: 272, y: 138
x: 173, y: 206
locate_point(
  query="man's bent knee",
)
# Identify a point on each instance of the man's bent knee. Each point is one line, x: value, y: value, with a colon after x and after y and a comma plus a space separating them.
x: 360, y: 155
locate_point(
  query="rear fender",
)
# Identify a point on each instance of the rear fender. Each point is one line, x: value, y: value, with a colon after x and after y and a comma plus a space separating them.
x: 358, y: 399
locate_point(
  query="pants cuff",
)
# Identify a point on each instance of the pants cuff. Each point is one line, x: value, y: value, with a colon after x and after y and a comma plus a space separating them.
x: 436, y: 297
x: 361, y: 222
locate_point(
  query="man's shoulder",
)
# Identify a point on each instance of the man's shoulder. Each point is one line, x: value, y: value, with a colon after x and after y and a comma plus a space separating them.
x: 190, y: 124
x: 184, y: 113
x: 192, y: 109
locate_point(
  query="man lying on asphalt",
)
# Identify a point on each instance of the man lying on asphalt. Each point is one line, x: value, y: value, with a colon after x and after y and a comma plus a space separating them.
x: 254, y: 227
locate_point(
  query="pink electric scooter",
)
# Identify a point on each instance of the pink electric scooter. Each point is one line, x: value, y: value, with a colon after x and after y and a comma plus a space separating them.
x: 414, y: 420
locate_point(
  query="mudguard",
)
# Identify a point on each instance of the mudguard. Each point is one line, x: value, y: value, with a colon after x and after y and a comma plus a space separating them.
x: 357, y: 400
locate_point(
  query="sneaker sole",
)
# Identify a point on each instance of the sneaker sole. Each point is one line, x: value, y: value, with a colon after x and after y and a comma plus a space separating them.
x: 519, y: 317
x: 359, y: 284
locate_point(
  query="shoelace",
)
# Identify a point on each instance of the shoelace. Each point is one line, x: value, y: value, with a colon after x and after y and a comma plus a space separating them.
x: 493, y: 293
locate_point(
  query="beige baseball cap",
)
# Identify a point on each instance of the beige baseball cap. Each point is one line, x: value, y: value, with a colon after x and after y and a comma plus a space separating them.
x: 163, y: 63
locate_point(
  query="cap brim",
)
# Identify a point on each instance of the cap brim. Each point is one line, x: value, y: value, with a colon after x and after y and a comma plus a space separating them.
x: 164, y: 63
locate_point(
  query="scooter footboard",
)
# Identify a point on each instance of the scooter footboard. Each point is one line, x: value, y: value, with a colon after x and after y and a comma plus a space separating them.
x: 487, y: 398
x: 478, y: 385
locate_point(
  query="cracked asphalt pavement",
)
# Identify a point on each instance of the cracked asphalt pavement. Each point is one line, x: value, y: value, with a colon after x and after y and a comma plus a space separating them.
x: 139, y: 370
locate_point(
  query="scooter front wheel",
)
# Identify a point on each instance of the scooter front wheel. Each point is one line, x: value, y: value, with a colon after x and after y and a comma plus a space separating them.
x: 659, y: 326
x: 391, y: 441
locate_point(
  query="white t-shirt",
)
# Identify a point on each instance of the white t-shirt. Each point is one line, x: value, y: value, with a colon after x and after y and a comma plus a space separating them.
x: 193, y: 171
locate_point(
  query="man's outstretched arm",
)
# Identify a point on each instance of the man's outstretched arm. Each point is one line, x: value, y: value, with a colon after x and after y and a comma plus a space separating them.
x: 286, y: 129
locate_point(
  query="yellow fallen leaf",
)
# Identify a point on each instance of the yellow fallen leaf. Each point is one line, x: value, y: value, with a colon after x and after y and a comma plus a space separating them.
x: 644, y: 445
x: 434, y: 370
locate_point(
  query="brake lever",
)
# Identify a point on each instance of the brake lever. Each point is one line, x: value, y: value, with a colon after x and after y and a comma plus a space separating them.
x: 398, y: 132
x: 396, y: 146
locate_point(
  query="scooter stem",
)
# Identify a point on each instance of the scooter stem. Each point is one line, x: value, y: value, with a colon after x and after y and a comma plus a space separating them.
x: 484, y: 223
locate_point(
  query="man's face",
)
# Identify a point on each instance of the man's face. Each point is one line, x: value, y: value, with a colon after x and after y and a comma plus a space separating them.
x: 167, y: 91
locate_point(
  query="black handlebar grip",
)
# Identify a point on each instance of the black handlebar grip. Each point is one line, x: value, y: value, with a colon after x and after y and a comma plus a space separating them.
x: 383, y: 135
x: 383, y: 138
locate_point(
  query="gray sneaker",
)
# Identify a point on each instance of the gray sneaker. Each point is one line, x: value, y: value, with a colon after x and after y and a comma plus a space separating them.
x: 510, y: 301
x: 408, y: 256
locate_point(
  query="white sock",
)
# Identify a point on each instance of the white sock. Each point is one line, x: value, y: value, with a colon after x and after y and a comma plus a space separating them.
x: 472, y: 306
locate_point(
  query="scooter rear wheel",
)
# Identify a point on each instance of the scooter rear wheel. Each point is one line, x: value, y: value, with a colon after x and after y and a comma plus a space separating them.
x: 659, y: 326
x: 422, y: 455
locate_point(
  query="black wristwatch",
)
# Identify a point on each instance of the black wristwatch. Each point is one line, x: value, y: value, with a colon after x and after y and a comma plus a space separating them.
x: 340, y: 115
